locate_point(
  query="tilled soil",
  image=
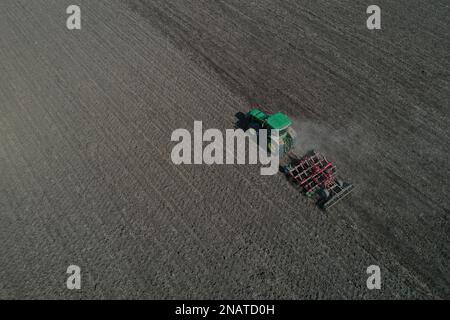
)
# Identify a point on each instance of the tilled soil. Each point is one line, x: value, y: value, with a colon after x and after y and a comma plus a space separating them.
x: 86, y: 177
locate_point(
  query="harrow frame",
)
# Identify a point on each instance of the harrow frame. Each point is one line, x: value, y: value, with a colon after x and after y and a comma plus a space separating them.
x: 316, y: 175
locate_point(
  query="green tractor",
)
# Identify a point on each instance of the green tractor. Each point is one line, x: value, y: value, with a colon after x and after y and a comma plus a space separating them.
x: 313, y: 173
x: 257, y: 120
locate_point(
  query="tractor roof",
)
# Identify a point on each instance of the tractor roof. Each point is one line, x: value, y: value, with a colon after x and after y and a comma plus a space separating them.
x: 278, y: 121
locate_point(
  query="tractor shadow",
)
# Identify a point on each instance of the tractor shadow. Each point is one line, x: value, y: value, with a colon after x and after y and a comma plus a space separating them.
x: 242, y: 121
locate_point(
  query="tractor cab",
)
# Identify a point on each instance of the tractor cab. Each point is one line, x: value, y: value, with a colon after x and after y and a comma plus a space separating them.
x: 279, y: 121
